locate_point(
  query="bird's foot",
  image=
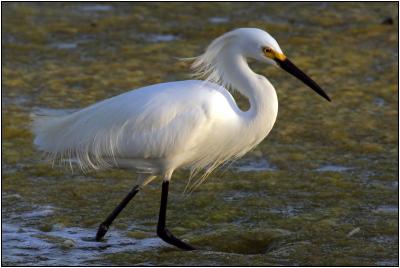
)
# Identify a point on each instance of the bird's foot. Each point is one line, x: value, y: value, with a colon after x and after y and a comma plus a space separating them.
x: 168, y: 237
x: 101, y: 231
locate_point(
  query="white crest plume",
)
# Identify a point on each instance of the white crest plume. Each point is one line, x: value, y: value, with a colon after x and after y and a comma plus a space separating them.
x: 209, y: 65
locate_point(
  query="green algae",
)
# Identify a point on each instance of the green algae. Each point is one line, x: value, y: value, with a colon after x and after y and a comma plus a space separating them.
x: 294, y: 215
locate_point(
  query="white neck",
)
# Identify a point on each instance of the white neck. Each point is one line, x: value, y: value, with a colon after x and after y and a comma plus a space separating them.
x: 261, y: 94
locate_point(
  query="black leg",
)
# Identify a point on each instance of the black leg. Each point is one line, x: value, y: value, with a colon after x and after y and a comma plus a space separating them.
x: 103, y: 228
x: 162, y: 231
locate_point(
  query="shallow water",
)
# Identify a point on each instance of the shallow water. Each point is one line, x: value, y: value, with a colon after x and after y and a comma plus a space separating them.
x: 333, y: 168
x: 322, y: 189
x: 59, y: 245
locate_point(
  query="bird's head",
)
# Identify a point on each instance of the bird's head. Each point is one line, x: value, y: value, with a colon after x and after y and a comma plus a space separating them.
x: 261, y: 46
x: 257, y: 44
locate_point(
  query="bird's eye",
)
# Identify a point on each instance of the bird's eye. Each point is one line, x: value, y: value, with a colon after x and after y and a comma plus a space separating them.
x: 267, y: 50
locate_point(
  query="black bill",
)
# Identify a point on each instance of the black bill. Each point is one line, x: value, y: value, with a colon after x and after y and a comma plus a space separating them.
x: 288, y: 66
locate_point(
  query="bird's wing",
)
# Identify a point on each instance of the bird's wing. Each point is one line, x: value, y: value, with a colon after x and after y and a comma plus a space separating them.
x: 152, y: 122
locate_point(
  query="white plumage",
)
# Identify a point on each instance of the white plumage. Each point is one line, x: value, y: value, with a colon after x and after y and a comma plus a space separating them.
x: 159, y: 128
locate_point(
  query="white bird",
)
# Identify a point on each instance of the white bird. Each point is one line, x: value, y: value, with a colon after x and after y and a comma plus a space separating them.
x: 191, y: 124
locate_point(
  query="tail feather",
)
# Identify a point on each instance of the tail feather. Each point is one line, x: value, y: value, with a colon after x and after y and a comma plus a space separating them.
x: 47, y: 125
x: 73, y: 137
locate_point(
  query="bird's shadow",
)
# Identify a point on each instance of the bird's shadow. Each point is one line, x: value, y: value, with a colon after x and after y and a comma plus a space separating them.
x: 239, y: 242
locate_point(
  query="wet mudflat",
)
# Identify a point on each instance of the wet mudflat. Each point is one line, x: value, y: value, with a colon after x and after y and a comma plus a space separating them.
x: 322, y: 189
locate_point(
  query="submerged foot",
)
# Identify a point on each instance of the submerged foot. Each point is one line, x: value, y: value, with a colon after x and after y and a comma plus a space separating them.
x: 101, y: 232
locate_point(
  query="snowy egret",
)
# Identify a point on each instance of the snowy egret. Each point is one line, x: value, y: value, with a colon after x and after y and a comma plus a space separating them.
x: 194, y: 124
